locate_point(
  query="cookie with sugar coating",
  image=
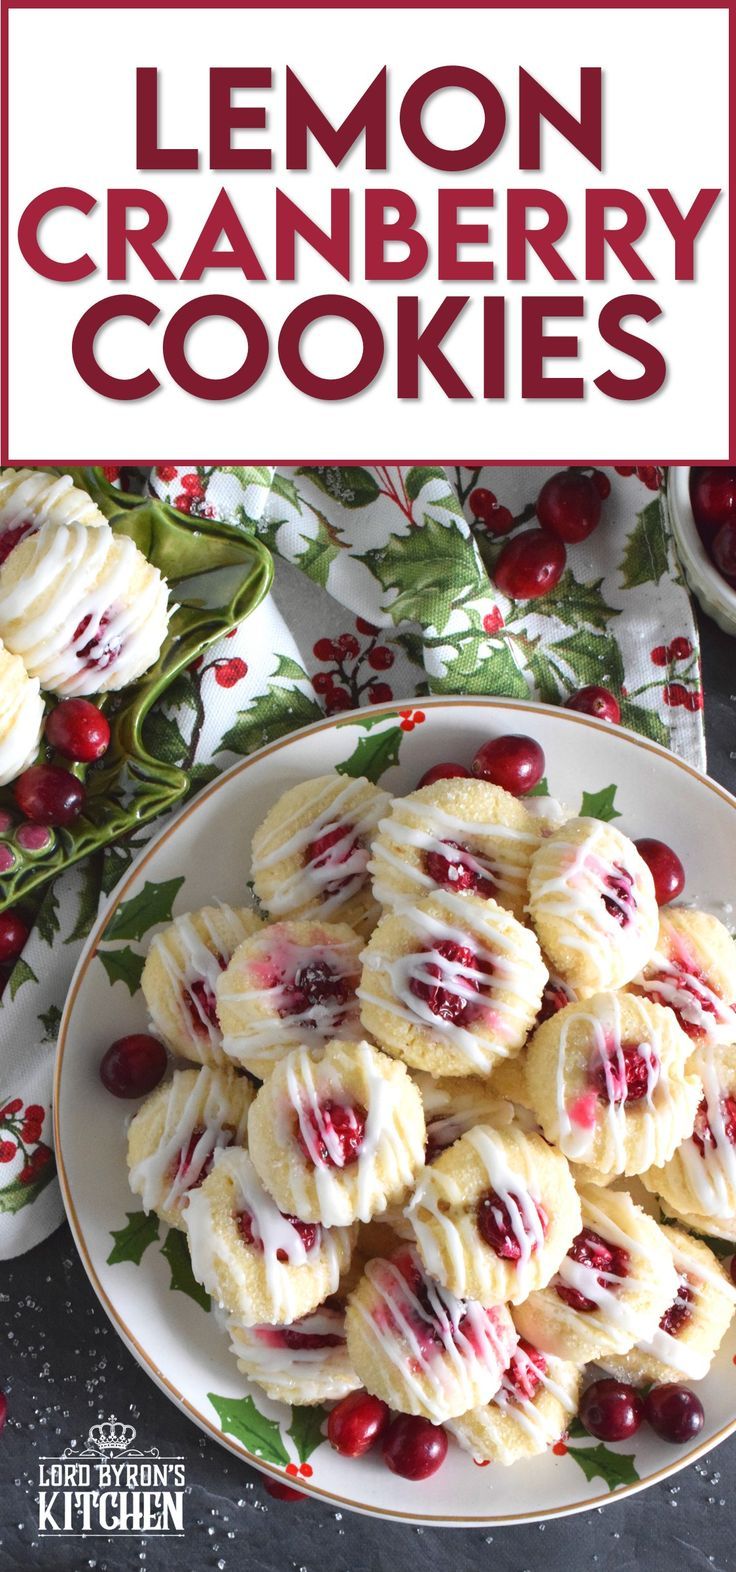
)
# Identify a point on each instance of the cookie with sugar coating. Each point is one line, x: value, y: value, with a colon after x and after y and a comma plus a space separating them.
x: 693, y: 972
x: 310, y: 854
x: 21, y: 716
x: 174, y: 1135
x: 692, y: 1328
x: 179, y: 978
x: 30, y: 498
x: 304, y: 1364
x: 530, y: 1411
x: 698, y: 1183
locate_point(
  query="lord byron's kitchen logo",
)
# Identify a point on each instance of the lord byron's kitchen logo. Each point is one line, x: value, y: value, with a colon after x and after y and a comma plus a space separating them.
x: 109, y: 1486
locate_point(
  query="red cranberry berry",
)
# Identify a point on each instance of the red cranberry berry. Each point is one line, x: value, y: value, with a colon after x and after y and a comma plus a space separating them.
x: 713, y: 498
x: 413, y: 1447
x: 530, y: 565
x: 569, y: 504
x: 48, y: 794
x: 627, y: 1082
x: 453, y: 873
x: 596, y: 701
x: 610, y: 1261
x: 611, y: 1410
x: 496, y: 1227
x: 601, y: 482
x: 133, y: 1065
x: 79, y: 730
x: 724, y: 551
x: 356, y: 1423
x: 674, y: 1412
x: 444, y: 772
x: 343, y: 1127
x: 514, y: 762
x: 665, y: 867
x: 13, y: 935
x: 282, y: 1492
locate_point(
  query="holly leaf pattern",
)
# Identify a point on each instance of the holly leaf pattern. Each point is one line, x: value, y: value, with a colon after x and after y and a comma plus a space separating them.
x: 373, y: 754
x: 132, y: 1241
x: 175, y: 1251
x: 123, y: 966
x: 349, y: 484
x: 240, y: 1418
x: 600, y: 804
x: 425, y: 573
x: 153, y: 904
x: 600, y: 1462
x: 275, y: 713
x: 646, y: 560
x: 17, y: 1195
x: 575, y: 602
x: 306, y: 1430
x: 50, y: 1020
x: 21, y: 973
x: 649, y: 722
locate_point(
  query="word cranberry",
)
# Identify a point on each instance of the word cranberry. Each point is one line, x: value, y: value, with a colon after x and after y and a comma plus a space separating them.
x: 13, y: 935
x: 665, y: 867
x: 674, y: 1412
x: 611, y: 1410
x: 444, y: 772
x: 569, y: 504
x: 133, y: 1065
x: 713, y: 497
x: 530, y: 565
x: 596, y: 701
x: 356, y: 1423
x: 79, y: 730
x: 413, y: 1447
x: 514, y: 762
x: 724, y: 551
x: 49, y: 795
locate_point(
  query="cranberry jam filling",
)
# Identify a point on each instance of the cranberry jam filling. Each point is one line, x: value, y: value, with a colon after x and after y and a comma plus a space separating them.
x: 624, y: 1082
x: 554, y: 998
x: 679, y: 1312
x: 294, y: 1339
x: 620, y: 902
x: 337, y: 1135
x: 496, y: 1227
x: 439, y: 994
x: 97, y: 652
x: 525, y: 1371
x: 10, y: 538
x: 693, y: 983
x: 331, y: 850
x: 314, y: 985
x: 454, y: 873
x: 588, y: 1249
x: 703, y: 1134
x: 181, y: 1168
x: 200, y: 1000
x: 308, y: 1233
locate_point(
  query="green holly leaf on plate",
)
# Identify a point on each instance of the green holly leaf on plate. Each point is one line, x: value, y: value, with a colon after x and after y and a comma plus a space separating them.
x: 175, y: 1250
x: 373, y: 754
x: 645, y: 559
x: 240, y: 1418
x: 151, y: 905
x: 599, y: 1462
x: 541, y: 789
x: 600, y: 804
x: 306, y: 1430
x: 140, y: 1231
x: 576, y: 1430
x: 123, y: 966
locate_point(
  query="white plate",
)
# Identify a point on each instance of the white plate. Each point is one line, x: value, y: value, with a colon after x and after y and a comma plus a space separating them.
x: 207, y: 847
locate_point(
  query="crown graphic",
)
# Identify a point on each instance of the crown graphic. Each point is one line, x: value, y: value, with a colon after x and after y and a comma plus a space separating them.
x: 111, y: 1436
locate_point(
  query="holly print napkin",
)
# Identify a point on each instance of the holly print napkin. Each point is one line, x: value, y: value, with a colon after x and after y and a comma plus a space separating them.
x: 382, y: 592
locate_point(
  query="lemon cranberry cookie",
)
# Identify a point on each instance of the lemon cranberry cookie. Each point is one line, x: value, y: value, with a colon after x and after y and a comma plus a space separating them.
x: 693, y: 970
x: 176, y: 1132
x: 180, y: 975
x: 291, y: 982
x: 418, y: 1347
x: 614, y: 1284
x: 451, y: 985
x: 337, y: 1133
x: 610, y: 1083
x: 310, y: 854
x: 454, y: 1105
x: 693, y: 1327
x: 31, y: 497
x: 531, y: 1410
x: 698, y: 1184
x: 456, y: 835
x: 21, y: 716
x: 495, y: 1214
x: 304, y: 1364
x: 592, y: 903
x: 263, y: 1266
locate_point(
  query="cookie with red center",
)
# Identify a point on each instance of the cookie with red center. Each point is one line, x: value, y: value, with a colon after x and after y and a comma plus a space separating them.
x: 593, y: 906
x: 612, y: 1287
x: 30, y: 498
x: 337, y: 1134
x: 180, y: 976
x: 532, y: 1408
x: 265, y: 1266
x: 458, y: 835
x: 310, y: 854
x: 290, y: 983
x: 419, y: 1347
x: 693, y: 971
x: 305, y: 1363
x: 693, y: 1326
x: 698, y: 1184
x: 453, y: 1106
x: 612, y: 1083
x: 173, y: 1138
x: 494, y: 1214
x: 451, y: 985
x: 21, y: 716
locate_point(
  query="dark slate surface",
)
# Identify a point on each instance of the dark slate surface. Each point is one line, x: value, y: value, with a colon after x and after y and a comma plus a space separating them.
x: 64, y: 1367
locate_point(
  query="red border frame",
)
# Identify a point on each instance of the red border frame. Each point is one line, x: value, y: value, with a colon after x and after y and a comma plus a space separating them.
x: 6, y: 6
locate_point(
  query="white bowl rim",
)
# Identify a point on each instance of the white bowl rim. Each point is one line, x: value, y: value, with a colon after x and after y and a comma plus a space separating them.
x: 689, y: 540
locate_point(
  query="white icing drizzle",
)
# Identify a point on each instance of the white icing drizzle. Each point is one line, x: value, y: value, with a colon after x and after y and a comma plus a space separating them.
x: 712, y: 1173
x: 614, y: 1308
x: 269, y: 1036
x: 574, y: 895
x: 677, y: 1352
x: 343, y: 811
x: 437, y: 827
x: 577, y: 1137
x: 158, y: 1178
x: 21, y: 721
x: 670, y: 982
x: 201, y: 963
x: 33, y: 496
x: 542, y: 1425
x: 470, y: 1361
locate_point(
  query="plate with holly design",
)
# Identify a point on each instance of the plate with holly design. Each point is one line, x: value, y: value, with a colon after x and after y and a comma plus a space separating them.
x: 140, y: 1269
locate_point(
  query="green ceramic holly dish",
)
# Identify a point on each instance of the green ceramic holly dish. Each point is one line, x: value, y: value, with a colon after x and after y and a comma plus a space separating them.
x: 218, y: 575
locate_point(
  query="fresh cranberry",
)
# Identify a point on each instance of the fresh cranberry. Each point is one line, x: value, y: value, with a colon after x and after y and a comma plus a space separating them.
x: 679, y: 1312
x: 514, y: 762
x: 133, y: 1065
x: 444, y: 772
x: 13, y: 935
x: 596, y: 701
x: 356, y: 1423
x: 611, y: 1410
x: 496, y: 1227
x: 627, y: 1082
x: 199, y: 994
x: 314, y: 985
x: 569, y: 504
x: 381, y: 658
x: 453, y: 873
x: 601, y: 482
x: 443, y: 1001
x: 48, y: 794
x: 482, y: 502
x: 10, y: 538
x: 413, y: 1447
x: 346, y: 1127
x: 97, y: 652
x: 282, y: 1492
x: 703, y: 1134
x: 589, y: 1249
x: 619, y: 903
x: 79, y: 730
x: 332, y: 849
x: 724, y: 551
x: 665, y: 867
x: 674, y: 1412
x: 713, y: 498
x: 530, y: 565
x: 525, y: 1370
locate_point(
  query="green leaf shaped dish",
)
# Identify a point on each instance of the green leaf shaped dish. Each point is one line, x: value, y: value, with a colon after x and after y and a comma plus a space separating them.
x: 218, y: 575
